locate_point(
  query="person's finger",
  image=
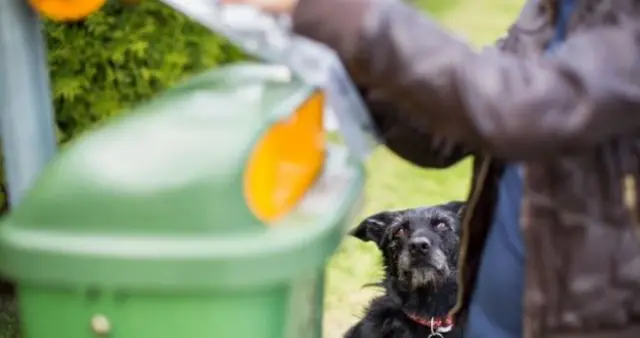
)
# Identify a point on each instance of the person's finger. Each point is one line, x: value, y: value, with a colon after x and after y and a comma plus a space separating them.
x: 226, y: 2
x: 272, y: 6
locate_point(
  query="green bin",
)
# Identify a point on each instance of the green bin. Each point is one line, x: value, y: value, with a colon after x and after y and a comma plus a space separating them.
x: 142, y: 228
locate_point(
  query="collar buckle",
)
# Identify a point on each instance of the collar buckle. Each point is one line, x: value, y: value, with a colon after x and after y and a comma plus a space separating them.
x: 437, y: 325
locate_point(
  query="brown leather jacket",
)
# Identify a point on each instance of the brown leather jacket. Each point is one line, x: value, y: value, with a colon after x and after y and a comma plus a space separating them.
x: 572, y: 119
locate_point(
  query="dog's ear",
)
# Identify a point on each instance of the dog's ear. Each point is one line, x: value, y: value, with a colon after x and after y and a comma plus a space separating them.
x: 457, y: 207
x: 372, y: 228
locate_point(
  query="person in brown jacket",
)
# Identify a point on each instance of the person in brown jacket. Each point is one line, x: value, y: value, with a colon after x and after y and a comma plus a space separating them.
x: 551, y: 115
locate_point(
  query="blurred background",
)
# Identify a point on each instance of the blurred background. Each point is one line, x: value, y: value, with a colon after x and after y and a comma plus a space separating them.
x: 124, y: 55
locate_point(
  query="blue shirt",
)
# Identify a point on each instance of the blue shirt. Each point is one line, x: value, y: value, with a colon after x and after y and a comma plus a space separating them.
x: 496, y: 306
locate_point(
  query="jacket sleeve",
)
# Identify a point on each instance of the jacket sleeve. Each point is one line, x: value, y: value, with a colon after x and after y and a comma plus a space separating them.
x: 414, y: 144
x: 515, y: 108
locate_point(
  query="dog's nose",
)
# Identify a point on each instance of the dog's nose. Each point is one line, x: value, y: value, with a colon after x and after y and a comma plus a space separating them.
x: 419, y: 245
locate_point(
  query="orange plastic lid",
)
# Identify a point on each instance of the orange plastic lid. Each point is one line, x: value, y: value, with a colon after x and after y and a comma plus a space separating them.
x: 67, y: 10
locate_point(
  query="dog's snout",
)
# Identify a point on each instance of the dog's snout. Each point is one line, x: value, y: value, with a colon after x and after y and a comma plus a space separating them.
x: 419, y: 245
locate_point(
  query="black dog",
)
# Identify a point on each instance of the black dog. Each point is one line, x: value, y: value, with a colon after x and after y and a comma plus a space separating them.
x: 420, y: 252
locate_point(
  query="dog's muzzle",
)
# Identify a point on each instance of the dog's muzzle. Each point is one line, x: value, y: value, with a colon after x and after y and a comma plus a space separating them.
x: 421, y: 263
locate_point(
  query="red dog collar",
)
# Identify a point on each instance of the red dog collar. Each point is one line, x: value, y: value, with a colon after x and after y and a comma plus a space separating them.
x: 438, y: 325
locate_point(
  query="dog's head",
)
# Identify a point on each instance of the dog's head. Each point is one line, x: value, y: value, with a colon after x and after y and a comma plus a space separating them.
x: 419, y: 246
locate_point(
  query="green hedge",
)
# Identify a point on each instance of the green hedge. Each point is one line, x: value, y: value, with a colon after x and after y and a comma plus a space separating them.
x: 123, y: 55
x: 116, y: 58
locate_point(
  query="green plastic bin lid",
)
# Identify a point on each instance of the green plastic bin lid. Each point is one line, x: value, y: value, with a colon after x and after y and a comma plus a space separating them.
x: 155, y: 198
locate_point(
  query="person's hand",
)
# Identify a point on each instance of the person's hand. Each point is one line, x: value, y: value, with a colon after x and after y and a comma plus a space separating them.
x: 271, y: 6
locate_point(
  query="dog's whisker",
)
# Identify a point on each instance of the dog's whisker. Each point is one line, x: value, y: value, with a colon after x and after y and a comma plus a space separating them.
x: 368, y: 285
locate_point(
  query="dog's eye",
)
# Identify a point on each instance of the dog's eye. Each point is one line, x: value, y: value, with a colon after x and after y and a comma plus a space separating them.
x: 399, y: 233
x: 441, y: 225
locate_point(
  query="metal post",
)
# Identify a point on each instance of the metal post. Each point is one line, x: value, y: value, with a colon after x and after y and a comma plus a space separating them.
x: 26, y: 113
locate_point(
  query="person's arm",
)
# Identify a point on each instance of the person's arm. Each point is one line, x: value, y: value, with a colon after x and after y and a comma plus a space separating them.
x: 412, y: 142
x: 515, y: 108
x: 421, y: 147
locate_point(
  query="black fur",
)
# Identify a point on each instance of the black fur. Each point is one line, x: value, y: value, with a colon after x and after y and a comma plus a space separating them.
x: 423, y: 284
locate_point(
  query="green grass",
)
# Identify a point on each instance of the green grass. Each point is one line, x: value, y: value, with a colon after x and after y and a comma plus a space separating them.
x: 393, y: 183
